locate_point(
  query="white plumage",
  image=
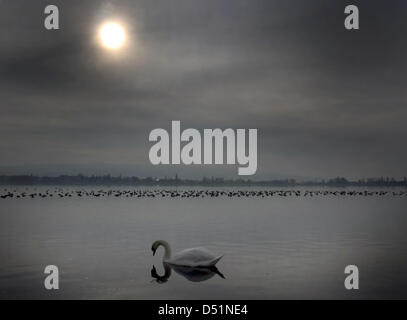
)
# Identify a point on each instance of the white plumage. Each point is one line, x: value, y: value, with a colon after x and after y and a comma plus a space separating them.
x: 193, y: 257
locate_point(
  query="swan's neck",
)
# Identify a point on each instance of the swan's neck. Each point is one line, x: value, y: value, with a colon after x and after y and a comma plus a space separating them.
x: 167, y: 253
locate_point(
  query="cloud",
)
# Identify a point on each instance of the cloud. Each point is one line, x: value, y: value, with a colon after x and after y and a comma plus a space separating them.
x: 326, y: 101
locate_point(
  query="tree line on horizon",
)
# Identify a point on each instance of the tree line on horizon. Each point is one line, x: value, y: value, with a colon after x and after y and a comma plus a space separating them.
x: 108, y: 179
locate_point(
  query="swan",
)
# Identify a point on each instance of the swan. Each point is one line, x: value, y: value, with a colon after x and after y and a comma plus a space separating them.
x: 193, y: 257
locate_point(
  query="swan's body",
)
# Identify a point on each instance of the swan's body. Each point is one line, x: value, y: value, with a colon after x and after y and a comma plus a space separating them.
x: 194, y: 257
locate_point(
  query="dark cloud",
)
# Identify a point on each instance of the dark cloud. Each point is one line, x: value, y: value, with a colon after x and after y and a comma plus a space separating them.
x: 326, y: 101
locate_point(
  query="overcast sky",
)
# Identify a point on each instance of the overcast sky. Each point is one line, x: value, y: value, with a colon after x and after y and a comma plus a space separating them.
x: 326, y: 101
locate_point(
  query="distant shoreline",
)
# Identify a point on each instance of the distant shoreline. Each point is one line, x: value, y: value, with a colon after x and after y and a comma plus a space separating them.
x: 108, y: 180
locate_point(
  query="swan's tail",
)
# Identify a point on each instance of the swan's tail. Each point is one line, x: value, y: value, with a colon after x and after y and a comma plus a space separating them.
x: 215, y: 261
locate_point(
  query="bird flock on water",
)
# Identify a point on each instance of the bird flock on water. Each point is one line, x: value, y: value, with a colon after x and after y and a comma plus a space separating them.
x: 31, y: 193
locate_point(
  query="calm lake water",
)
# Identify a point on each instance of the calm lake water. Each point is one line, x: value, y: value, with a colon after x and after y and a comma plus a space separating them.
x: 274, y: 248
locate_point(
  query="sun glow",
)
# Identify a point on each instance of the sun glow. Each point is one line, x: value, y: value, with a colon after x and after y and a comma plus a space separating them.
x: 112, y: 35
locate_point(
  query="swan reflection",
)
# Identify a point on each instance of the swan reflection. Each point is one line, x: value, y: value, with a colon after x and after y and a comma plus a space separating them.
x: 194, y: 274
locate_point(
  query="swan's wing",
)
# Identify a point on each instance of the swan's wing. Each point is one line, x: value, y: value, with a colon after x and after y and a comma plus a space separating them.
x: 194, y: 257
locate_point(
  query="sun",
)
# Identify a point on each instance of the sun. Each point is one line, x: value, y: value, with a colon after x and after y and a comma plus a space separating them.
x: 112, y: 35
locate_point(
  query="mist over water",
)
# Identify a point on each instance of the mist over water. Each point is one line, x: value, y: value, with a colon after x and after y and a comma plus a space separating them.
x: 274, y: 247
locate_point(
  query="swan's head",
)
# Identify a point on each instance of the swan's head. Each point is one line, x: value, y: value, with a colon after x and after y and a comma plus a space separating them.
x: 155, y: 245
x: 166, y: 246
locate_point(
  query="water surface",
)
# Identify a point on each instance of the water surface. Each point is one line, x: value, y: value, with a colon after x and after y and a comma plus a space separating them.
x: 274, y: 247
